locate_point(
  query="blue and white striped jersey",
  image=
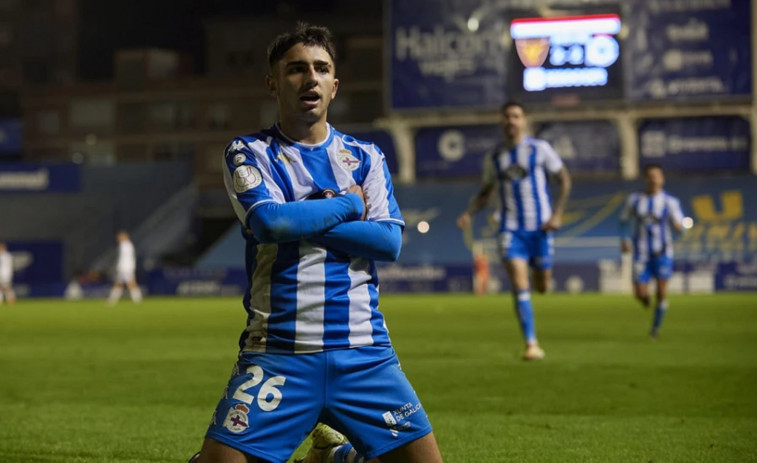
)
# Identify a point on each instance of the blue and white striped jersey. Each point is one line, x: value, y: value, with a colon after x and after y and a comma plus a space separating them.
x: 304, y: 297
x: 523, y: 187
x: 652, y: 217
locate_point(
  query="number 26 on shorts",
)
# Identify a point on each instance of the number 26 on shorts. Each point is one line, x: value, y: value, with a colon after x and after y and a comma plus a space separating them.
x: 268, y: 396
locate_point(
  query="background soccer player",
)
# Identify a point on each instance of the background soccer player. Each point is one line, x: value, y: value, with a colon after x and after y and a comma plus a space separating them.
x: 652, y: 214
x: 126, y: 267
x: 6, y: 276
x: 519, y: 169
x: 315, y: 347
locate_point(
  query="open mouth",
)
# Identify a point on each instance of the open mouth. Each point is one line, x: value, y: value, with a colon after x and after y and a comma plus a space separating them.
x: 310, y: 98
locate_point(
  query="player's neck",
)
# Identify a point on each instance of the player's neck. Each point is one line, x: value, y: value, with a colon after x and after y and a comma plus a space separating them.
x: 653, y: 191
x: 304, y: 132
x: 514, y: 141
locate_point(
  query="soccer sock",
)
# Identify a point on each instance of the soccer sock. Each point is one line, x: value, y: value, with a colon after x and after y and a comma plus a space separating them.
x: 344, y: 454
x: 525, y: 314
x: 659, y: 314
x: 136, y: 294
x: 115, y: 294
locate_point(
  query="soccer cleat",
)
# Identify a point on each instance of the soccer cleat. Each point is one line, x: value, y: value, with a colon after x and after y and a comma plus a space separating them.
x: 324, y: 439
x: 533, y: 352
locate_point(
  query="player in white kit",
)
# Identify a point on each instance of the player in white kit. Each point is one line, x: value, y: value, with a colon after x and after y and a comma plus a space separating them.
x: 6, y: 276
x: 126, y: 267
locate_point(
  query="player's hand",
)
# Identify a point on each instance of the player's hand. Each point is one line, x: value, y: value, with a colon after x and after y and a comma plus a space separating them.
x: 464, y: 221
x: 554, y: 223
x: 358, y: 190
x: 625, y: 247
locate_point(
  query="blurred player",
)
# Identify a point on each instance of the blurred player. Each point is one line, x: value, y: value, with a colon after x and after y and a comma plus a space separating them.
x: 6, y: 276
x: 126, y: 267
x: 652, y: 214
x: 315, y: 347
x: 519, y: 171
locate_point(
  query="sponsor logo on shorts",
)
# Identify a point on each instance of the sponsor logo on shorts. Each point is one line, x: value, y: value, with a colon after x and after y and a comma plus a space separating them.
x: 236, y: 420
x: 396, y: 420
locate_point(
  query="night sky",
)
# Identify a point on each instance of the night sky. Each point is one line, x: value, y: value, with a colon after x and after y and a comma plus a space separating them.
x: 108, y: 25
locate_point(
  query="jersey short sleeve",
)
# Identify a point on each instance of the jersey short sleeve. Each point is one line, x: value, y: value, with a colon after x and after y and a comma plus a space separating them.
x: 247, y: 176
x: 379, y: 191
x: 552, y: 161
x: 675, y: 211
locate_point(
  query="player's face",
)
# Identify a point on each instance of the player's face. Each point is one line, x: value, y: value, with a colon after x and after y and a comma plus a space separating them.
x: 514, y: 122
x: 304, y: 83
x: 654, y: 179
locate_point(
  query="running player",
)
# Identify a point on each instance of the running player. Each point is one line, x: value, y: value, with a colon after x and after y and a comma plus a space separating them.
x: 317, y: 210
x: 519, y: 171
x: 654, y: 214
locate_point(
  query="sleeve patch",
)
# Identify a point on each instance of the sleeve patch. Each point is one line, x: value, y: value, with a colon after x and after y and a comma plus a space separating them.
x: 246, y: 178
x: 239, y: 159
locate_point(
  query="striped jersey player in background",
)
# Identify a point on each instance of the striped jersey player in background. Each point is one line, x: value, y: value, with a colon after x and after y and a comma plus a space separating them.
x: 654, y: 215
x: 317, y: 210
x: 519, y: 170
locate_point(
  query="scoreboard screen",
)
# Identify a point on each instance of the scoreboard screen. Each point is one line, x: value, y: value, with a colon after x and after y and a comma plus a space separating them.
x: 569, y: 56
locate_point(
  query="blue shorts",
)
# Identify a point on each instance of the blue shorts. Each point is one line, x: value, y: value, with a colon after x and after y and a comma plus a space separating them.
x: 536, y: 247
x: 660, y: 267
x: 273, y: 401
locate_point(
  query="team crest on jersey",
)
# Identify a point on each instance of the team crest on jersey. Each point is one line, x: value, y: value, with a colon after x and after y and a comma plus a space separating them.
x: 347, y: 160
x: 650, y: 219
x: 246, y: 178
x: 239, y: 159
x: 515, y: 172
x: 237, y: 419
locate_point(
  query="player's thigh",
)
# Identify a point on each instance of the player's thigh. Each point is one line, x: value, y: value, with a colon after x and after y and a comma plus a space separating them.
x: 517, y: 270
x: 270, y: 404
x: 372, y: 402
x: 423, y: 450
x: 542, y: 279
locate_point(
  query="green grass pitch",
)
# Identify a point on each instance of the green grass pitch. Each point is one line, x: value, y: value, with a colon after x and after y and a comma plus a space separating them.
x: 82, y: 382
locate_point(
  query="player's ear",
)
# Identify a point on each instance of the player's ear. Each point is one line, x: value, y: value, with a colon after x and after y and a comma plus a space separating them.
x: 270, y: 84
x: 336, y: 86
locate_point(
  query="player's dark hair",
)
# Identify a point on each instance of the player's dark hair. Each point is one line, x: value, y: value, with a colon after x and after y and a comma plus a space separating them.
x: 650, y: 166
x: 304, y: 33
x: 512, y: 104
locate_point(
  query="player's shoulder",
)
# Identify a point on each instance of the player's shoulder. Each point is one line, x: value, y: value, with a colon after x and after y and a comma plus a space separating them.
x: 350, y: 141
x: 671, y: 199
x: 253, y: 143
x: 539, y: 143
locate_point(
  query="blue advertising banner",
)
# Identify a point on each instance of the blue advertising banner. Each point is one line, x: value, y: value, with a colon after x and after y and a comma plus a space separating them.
x: 23, y: 178
x: 688, y: 49
x: 703, y: 144
x: 10, y: 136
x: 36, y: 261
x: 585, y: 146
x: 447, y: 53
x: 385, y: 142
x: 454, y: 151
